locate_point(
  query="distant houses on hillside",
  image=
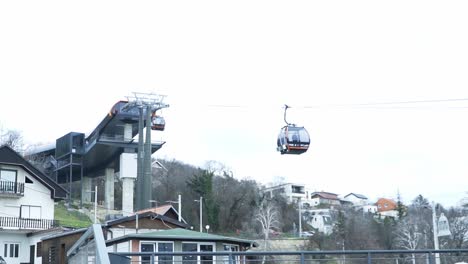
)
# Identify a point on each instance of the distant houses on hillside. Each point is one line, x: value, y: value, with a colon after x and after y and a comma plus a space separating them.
x: 319, y: 208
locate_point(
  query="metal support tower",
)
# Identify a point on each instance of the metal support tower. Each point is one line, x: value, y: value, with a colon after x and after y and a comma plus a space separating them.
x: 147, y: 104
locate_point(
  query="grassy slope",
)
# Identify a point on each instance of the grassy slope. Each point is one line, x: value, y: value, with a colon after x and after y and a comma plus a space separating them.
x: 70, y: 218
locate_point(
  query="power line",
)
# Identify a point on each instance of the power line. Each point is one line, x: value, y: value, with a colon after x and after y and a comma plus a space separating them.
x: 389, y: 104
x: 394, y: 102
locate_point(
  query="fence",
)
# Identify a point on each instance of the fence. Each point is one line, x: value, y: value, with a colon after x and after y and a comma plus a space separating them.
x: 27, y: 223
x: 302, y: 257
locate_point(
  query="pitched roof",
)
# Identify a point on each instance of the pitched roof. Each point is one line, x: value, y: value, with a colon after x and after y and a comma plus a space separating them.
x: 360, y: 196
x: 146, y: 215
x: 325, y: 195
x: 162, y: 210
x: 11, y: 157
x: 181, y: 234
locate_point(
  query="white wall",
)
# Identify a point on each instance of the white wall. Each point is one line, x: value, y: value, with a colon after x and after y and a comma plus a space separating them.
x: 369, y: 209
x: 22, y: 240
x: 35, y: 194
x: 355, y: 200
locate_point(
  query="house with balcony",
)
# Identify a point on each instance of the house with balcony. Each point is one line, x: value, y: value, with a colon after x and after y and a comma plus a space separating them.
x: 27, y: 199
x: 291, y: 191
x: 326, y: 199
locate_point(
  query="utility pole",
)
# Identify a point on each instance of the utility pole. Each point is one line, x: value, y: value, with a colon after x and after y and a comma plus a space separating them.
x: 201, y: 213
x: 300, y: 217
x: 180, y: 208
x: 95, y: 204
x: 436, y: 233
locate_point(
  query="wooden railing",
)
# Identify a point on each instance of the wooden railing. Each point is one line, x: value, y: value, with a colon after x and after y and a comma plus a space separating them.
x: 27, y: 223
x: 9, y: 187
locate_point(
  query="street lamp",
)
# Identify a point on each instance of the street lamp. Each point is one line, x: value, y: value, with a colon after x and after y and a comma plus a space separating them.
x: 201, y: 213
x: 207, y: 228
x: 435, y: 231
x: 444, y: 229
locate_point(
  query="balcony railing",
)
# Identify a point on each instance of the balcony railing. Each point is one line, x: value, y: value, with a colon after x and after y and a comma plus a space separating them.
x: 12, y: 188
x: 27, y: 223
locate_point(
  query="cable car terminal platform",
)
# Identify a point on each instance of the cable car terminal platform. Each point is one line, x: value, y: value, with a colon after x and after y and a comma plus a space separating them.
x: 110, y: 148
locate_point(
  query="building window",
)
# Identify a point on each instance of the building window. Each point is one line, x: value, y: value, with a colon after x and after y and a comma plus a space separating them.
x: 27, y: 180
x: 198, y: 247
x: 52, y: 253
x: 189, y: 247
x: 39, y: 249
x: 11, y: 250
x: 8, y: 180
x: 157, y: 247
x: 231, y: 248
x: 30, y: 212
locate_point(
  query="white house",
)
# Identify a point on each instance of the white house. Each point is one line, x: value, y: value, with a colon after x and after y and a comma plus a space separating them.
x: 356, y: 199
x: 320, y: 219
x: 26, y: 207
x: 293, y: 192
x: 372, y: 209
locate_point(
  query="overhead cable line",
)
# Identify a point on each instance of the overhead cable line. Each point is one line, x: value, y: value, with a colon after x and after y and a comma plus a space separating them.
x: 379, y: 105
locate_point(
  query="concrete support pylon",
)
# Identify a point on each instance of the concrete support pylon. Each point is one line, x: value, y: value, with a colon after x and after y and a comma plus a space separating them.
x: 109, y: 188
x: 128, y: 174
x: 86, y: 190
x: 127, y: 195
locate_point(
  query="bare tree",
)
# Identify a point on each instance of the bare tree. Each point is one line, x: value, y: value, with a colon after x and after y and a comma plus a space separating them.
x: 11, y: 138
x: 267, y: 216
x: 408, y: 236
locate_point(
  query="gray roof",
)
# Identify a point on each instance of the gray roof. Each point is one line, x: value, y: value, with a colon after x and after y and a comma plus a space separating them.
x: 360, y: 196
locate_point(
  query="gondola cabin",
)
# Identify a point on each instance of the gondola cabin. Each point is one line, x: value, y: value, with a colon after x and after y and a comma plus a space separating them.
x: 158, y: 123
x: 293, y: 140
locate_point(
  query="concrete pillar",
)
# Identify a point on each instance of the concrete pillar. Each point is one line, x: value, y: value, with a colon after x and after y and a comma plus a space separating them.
x: 109, y: 189
x: 128, y: 132
x: 128, y: 174
x: 127, y: 195
x: 86, y: 190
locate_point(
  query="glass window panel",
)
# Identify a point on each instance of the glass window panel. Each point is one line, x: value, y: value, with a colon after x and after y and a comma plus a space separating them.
x: 16, y: 250
x: 189, y: 247
x: 5, y: 252
x: 146, y: 248
x: 35, y: 212
x: 206, y: 259
x: 7, y: 175
x: 165, y: 247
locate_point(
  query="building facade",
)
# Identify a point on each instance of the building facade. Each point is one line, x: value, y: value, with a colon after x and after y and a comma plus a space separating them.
x: 27, y: 199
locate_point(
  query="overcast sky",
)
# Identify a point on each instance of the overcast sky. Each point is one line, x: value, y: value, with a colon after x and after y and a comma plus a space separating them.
x: 63, y: 64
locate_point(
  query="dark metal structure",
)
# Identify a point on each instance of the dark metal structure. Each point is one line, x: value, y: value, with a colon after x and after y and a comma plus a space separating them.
x: 77, y: 154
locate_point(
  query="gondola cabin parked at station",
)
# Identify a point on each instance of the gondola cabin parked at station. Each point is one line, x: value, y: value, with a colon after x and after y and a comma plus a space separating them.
x: 292, y: 139
x: 158, y: 122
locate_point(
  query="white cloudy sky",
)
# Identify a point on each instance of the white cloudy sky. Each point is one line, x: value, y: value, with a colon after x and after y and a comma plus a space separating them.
x: 63, y: 64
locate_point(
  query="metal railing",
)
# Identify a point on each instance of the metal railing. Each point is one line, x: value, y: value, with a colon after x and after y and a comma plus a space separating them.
x: 27, y: 223
x: 90, y: 248
x: 449, y: 256
x: 10, y: 187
